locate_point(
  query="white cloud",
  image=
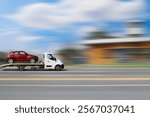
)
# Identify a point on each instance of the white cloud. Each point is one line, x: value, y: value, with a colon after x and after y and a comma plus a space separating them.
x: 13, y: 38
x: 47, y: 16
x: 27, y: 38
x: 52, y: 48
x: 126, y: 10
x: 86, y: 30
x: 19, y: 35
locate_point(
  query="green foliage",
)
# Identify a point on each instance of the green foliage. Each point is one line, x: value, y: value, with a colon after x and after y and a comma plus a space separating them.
x: 2, y: 56
x: 99, y: 35
x: 69, y: 54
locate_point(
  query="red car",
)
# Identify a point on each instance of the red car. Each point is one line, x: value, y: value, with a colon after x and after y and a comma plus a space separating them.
x: 21, y: 56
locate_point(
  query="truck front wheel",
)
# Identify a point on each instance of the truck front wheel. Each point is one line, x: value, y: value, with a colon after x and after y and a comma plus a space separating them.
x: 58, y: 68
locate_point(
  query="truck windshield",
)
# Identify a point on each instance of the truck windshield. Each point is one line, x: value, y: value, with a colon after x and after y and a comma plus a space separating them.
x: 51, y: 57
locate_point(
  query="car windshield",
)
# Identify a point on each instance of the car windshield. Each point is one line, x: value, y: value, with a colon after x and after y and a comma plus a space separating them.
x: 14, y: 53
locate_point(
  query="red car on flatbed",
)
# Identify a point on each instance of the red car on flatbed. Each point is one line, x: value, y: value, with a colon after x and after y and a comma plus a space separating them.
x: 20, y: 56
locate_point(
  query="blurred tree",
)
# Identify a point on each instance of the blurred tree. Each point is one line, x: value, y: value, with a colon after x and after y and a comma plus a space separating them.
x: 71, y: 55
x: 99, y: 35
x: 2, y: 57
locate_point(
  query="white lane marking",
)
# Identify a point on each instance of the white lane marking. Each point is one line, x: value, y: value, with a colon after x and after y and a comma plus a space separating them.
x: 64, y: 75
x: 121, y: 85
x: 55, y: 72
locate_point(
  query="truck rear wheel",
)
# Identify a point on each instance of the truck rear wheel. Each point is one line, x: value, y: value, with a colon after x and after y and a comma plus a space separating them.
x: 58, y: 68
x: 21, y: 68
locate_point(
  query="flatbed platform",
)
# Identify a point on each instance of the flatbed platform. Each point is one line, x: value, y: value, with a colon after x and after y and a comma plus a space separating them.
x: 21, y: 64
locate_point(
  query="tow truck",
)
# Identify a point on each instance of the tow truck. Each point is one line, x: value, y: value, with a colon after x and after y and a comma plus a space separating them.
x: 48, y: 62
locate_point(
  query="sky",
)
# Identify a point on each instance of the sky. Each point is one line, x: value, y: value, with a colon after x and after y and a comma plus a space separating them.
x: 50, y: 25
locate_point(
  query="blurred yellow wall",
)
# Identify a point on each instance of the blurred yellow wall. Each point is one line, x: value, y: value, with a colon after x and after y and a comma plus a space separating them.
x: 100, y: 53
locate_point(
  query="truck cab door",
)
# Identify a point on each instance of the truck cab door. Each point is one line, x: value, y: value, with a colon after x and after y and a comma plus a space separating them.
x: 49, y: 61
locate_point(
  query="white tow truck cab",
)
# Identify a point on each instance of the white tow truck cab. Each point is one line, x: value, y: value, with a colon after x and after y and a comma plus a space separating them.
x: 48, y: 62
x: 51, y: 62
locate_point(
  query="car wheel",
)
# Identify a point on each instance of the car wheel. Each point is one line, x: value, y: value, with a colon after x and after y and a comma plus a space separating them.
x: 10, y: 61
x: 32, y: 60
x: 58, y: 68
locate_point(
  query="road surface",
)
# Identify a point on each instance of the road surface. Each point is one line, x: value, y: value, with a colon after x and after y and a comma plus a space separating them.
x: 107, y: 83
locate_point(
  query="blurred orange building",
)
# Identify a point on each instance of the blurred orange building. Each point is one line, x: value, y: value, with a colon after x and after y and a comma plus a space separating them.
x: 133, y: 47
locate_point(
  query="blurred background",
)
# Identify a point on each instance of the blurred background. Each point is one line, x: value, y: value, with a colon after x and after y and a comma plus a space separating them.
x: 78, y: 31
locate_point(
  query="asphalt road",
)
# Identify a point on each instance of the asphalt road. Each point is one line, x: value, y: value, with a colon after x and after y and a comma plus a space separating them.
x: 130, y: 83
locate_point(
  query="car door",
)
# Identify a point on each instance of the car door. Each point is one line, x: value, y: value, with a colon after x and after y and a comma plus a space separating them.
x: 16, y: 56
x: 22, y: 56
